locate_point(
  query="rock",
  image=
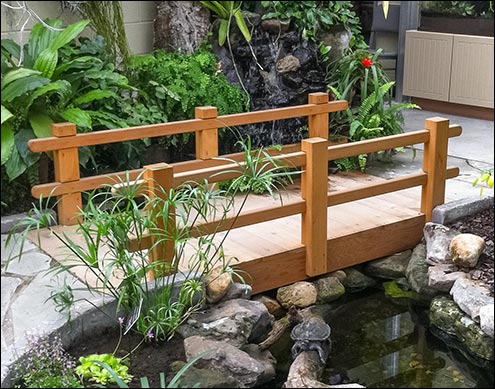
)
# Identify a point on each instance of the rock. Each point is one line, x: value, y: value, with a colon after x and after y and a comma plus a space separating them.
x: 287, y: 64
x: 301, y: 294
x: 338, y: 40
x: 328, y: 289
x: 391, y: 267
x: 274, y: 26
x: 442, y: 277
x: 470, y: 296
x: 238, y: 290
x: 486, y: 319
x: 437, y: 238
x: 265, y: 357
x: 465, y: 249
x: 356, y: 281
x: 340, y: 274
x: 237, y: 322
x: 252, y: 19
x: 226, y: 359
x: 305, y: 371
x: 271, y: 304
x: 417, y: 272
x: 448, y: 317
x: 208, y: 378
x: 217, y: 283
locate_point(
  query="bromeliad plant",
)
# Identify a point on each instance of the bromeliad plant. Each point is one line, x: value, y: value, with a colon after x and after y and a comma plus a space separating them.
x: 113, y: 221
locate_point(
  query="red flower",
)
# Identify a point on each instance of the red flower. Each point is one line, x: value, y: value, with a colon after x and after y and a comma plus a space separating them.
x: 367, y: 63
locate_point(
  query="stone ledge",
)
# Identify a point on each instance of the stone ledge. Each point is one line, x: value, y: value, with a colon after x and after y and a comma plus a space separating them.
x: 8, y: 222
x: 455, y: 210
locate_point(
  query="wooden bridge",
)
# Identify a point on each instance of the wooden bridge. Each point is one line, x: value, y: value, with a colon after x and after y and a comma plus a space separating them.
x: 277, y: 244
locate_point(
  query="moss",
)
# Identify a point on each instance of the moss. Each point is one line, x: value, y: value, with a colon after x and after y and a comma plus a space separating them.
x: 392, y: 289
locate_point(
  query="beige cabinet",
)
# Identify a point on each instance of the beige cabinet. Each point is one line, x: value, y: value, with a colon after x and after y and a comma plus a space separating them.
x: 449, y: 67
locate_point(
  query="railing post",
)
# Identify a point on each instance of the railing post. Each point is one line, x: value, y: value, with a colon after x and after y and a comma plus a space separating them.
x: 159, y: 179
x: 314, y: 218
x: 66, y: 165
x: 206, y: 140
x: 435, y: 165
x: 318, y: 124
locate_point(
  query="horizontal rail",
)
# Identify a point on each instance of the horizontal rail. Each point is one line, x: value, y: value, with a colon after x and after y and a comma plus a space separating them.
x: 384, y: 143
x: 93, y: 182
x: 245, y: 219
x: 388, y: 186
x: 184, y: 126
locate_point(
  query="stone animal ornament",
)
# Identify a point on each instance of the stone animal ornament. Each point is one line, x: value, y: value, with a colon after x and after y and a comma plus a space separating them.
x: 311, y: 335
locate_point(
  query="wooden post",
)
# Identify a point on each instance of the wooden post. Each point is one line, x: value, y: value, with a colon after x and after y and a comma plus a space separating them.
x: 206, y: 140
x: 314, y: 218
x: 435, y: 165
x: 66, y: 165
x: 159, y: 178
x: 318, y: 124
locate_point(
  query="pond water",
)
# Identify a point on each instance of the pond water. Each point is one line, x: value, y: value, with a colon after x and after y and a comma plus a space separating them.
x: 380, y: 343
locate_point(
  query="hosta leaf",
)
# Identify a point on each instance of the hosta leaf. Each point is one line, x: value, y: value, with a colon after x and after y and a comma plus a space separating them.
x: 47, y: 62
x: 70, y: 33
x: 21, y: 86
x: 41, y: 124
x: 40, y: 37
x: 18, y: 74
x: 11, y: 47
x: 93, y: 95
x: 14, y: 166
x: 78, y: 117
x: 8, y: 141
x: 61, y: 87
x: 21, y: 141
x: 6, y: 114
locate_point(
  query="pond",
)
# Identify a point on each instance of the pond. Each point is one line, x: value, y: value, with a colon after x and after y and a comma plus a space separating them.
x: 381, y: 343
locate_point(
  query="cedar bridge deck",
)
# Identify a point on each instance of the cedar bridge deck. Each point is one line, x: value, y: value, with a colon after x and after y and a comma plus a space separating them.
x: 271, y: 252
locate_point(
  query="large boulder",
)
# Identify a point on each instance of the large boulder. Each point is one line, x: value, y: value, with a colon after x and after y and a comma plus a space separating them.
x: 391, y: 267
x: 417, y: 272
x: 470, y: 296
x: 448, y: 317
x: 486, y: 319
x: 228, y: 360
x: 442, y: 277
x: 328, y: 289
x: 465, y: 249
x: 437, y: 238
x: 237, y: 322
x: 300, y: 294
x: 356, y: 281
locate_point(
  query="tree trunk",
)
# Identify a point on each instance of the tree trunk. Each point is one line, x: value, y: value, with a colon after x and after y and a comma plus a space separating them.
x: 180, y: 26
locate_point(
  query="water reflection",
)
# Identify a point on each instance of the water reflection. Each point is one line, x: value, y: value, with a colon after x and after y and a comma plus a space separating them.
x: 379, y: 343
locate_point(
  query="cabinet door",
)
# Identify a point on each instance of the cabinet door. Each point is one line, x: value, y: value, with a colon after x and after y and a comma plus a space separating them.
x: 472, y: 71
x: 427, y: 62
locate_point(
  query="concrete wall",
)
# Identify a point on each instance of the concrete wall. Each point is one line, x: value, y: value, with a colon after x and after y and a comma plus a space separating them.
x: 138, y: 18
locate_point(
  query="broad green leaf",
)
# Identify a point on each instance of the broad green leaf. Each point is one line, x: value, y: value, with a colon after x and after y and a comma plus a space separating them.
x: 70, y: 33
x: 11, y: 47
x: 93, y: 95
x: 17, y: 74
x: 61, y: 87
x: 47, y: 62
x: 242, y: 25
x: 14, y: 166
x: 41, y: 124
x: 21, y: 141
x: 85, y: 62
x: 6, y: 114
x: 19, y: 87
x: 8, y: 140
x: 223, y: 31
x: 78, y: 117
x: 41, y: 37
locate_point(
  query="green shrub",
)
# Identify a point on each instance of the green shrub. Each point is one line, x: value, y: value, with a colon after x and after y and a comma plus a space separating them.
x: 91, y: 371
